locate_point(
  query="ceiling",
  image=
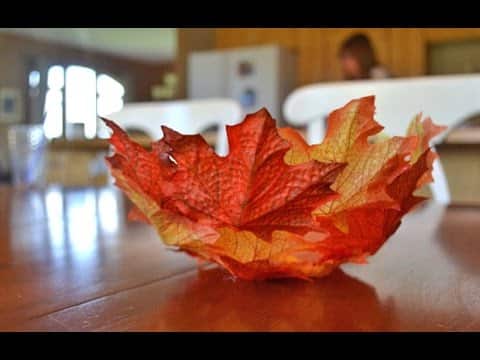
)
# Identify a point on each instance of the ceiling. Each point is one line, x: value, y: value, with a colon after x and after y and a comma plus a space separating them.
x: 147, y: 44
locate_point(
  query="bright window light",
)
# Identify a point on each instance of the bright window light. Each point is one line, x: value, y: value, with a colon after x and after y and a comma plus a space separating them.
x: 110, y: 95
x: 81, y: 98
x: 52, y: 125
x: 86, y: 96
x: 55, y: 77
x: 34, y: 78
x: 54, y: 114
x: 110, y: 99
x: 108, y: 86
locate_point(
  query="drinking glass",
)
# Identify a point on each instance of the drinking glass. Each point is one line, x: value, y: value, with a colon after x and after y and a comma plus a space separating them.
x: 26, y: 145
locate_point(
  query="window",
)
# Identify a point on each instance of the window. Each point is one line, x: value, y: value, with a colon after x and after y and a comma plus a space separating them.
x: 80, y: 99
x: 76, y: 95
x: 34, y: 79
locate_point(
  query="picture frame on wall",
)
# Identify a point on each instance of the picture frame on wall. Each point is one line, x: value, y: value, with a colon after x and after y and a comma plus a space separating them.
x: 10, y: 105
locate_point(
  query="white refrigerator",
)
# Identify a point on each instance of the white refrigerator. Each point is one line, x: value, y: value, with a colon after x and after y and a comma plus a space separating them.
x: 260, y: 76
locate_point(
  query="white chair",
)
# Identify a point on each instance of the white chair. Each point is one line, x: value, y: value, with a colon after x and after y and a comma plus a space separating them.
x: 185, y: 116
x: 448, y: 100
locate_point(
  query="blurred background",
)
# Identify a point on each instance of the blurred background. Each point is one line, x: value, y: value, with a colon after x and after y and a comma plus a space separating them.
x: 55, y: 83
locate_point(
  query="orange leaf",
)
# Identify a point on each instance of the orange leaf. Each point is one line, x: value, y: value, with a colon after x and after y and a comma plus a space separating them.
x: 376, y: 187
x: 275, y: 206
x: 245, y: 202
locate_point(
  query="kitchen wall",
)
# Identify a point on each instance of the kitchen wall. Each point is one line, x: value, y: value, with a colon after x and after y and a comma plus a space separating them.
x: 403, y: 51
x: 17, y: 51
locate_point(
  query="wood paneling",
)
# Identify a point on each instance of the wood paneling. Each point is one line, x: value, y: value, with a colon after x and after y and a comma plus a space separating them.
x: 408, y: 52
x: 440, y: 35
x: 403, y: 51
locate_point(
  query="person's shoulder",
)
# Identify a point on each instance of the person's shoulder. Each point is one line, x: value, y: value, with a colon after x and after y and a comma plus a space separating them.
x: 379, y: 72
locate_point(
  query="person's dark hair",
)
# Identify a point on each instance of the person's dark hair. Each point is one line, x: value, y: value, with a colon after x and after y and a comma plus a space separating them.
x: 360, y: 48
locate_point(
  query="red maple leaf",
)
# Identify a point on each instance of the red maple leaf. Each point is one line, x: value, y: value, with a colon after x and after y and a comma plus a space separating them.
x: 275, y: 206
x: 376, y: 187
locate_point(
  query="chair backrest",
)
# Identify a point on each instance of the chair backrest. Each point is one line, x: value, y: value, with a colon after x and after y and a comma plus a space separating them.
x: 185, y: 116
x: 448, y: 100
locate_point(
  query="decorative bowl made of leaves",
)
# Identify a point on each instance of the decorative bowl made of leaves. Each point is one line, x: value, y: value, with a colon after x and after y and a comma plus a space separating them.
x: 276, y: 206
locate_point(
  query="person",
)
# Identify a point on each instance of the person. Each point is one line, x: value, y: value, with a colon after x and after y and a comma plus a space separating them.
x: 358, y: 60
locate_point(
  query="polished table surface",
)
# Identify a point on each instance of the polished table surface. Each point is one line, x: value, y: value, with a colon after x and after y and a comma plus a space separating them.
x: 70, y: 261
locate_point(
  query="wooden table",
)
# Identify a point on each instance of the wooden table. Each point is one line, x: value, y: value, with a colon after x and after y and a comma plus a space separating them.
x: 70, y: 261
